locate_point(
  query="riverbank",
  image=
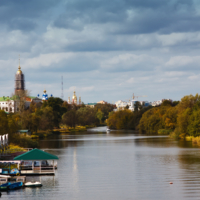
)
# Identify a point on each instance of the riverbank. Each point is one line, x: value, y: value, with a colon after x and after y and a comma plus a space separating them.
x: 26, y: 141
x: 62, y: 129
x: 12, y: 151
x: 195, y: 140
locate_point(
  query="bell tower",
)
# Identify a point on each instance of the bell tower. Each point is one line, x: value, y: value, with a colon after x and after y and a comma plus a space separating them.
x: 19, y: 81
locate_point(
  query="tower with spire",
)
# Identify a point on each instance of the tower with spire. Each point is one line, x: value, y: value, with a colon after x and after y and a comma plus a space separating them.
x: 19, y: 81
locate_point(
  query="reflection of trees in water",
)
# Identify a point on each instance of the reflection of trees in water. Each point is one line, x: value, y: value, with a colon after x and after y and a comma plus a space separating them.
x: 190, y: 160
x: 189, y: 172
x: 155, y: 142
x: 59, y: 142
x: 162, y: 141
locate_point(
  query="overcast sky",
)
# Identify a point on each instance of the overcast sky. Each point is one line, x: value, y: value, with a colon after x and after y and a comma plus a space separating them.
x: 105, y: 50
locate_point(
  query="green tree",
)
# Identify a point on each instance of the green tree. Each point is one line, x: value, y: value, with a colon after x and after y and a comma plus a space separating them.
x: 4, y: 128
x: 47, y: 119
x: 58, y: 109
x: 170, y: 118
x: 20, y: 99
x: 194, y: 124
x: 120, y: 119
x: 13, y: 126
x: 152, y: 120
x: 70, y: 118
x: 137, y: 106
x: 166, y: 103
x: 105, y: 108
x: 99, y: 115
x: 86, y: 116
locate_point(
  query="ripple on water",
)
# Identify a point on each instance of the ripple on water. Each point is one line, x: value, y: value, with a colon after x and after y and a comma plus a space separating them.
x: 100, y: 166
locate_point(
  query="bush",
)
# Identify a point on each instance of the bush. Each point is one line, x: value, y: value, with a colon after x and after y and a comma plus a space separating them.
x: 164, y: 131
x: 24, y: 141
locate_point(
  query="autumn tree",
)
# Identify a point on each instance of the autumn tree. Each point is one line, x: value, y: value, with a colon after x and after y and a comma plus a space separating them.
x: 4, y: 128
x: 86, y: 116
x: 70, y: 118
x: 100, y: 115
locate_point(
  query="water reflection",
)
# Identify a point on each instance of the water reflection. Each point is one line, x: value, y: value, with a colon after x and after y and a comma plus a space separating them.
x: 118, y: 165
x: 75, y: 173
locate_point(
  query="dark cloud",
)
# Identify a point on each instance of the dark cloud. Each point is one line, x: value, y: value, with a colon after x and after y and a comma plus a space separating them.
x: 24, y: 15
x: 114, y: 45
x: 131, y: 16
x: 22, y: 24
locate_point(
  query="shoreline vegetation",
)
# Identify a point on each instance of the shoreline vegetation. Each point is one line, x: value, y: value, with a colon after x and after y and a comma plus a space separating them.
x: 54, y: 116
x: 180, y: 120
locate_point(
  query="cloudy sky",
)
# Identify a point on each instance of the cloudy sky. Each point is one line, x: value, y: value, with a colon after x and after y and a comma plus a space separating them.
x: 105, y: 50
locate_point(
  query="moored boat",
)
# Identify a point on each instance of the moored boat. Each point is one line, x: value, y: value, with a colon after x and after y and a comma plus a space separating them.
x: 4, y: 187
x: 35, y: 184
x: 15, y: 186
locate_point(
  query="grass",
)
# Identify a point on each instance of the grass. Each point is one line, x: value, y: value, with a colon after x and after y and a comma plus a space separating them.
x: 67, y: 129
x: 77, y: 129
x: 13, y: 148
x: 41, y: 134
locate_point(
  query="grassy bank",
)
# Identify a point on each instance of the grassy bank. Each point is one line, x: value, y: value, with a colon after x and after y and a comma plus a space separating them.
x: 13, y: 148
x: 62, y: 129
x: 195, y: 140
x: 67, y: 129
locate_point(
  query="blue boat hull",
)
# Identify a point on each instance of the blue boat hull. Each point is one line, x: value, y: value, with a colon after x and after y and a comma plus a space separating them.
x: 4, y: 187
x: 15, y: 186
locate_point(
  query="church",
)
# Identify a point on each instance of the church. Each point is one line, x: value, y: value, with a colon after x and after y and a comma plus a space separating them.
x: 74, y: 100
x: 19, y: 99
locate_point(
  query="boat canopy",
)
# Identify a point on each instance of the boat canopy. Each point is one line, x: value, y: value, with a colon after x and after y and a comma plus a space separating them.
x: 36, y: 154
x: 9, y: 161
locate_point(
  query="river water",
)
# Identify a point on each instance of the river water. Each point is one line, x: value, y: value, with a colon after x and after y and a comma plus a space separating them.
x: 119, y: 165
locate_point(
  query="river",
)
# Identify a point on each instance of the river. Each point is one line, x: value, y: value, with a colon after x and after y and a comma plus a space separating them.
x: 119, y: 165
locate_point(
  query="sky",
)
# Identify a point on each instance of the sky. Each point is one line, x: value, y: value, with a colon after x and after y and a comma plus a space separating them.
x: 104, y: 50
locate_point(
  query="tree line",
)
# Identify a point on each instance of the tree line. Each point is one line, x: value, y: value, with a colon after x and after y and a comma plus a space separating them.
x: 51, y: 114
x: 180, y: 118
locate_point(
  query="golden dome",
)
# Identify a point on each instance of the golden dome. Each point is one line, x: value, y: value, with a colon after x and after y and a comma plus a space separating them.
x: 19, y: 70
x: 74, y: 96
x: 45, y: 91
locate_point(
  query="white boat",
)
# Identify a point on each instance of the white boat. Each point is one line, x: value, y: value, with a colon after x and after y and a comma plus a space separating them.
x: 107, y: 130
x: 35, y: 184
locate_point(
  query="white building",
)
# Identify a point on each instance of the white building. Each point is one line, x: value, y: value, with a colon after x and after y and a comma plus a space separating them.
x: 143, y: 103
x: 122, y: 104
x: 10, y: 105
x: 7, y: 104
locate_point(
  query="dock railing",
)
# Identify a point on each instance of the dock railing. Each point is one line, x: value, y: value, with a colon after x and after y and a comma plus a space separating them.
x: 37, y: 169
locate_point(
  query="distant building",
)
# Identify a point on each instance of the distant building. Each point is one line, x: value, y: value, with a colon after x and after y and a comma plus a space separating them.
x: 19, y: 81
x: 8, y: 104
x: 74, y: 100
x: 24, y: 132
x: 102, y: 102
x: 12, y: 104
x: 121, y: 105
x: 91, y: 105
x: 142, y: 103
x: 159, y: 102
x: 45, y: 96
